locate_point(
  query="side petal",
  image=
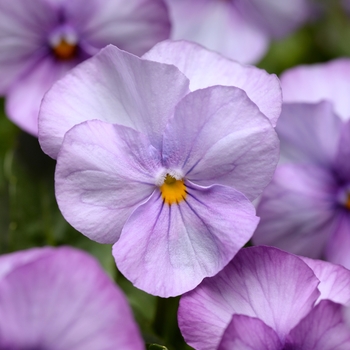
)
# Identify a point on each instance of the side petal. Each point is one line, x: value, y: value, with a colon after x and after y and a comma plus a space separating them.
x: 338, y: 245
x: 322, y: 329
x: 103, y: 173
x: 218, y: 26
x: 116, y: 87
x: 263, y: 282
x: 168, y: 250
x: 314, y: 83
x: 334, y: 280
x: 343, y: 155
x: 64, y: 300
x: 309, y: 133
x: 249, y: 333
x: 25, y: 95
x: 219, y: 136
x: 297, y: 210
x: 206, y: 68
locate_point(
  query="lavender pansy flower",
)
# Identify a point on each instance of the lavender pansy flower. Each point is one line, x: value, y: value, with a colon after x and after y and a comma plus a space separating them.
x: 171, y: 183
x: 306, y: 207
x: 239, y: 29
x: 202, y: 67
x: 41, y: 40
x: 60, y: 298
x: 266, y: 298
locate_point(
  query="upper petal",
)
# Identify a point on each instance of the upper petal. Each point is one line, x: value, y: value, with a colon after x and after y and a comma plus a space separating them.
x: 263, y: 282
x: 64, y: 300
x: 167, y: 250
x: 206, y: 68
x: 219, y: 136
x: 317, y: 82
x: 249, y: 333
x: 112, y: 86
x: 309, y: 133
x: 103, y: 173
x: 218, y: 26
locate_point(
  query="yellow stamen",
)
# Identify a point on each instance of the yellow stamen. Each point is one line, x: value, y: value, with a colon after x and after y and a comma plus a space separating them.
x: 64, y: 50
x: 347, y: 203
x: 173, y: 191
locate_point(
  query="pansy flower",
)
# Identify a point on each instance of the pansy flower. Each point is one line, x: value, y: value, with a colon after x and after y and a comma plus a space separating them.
x: 171, y: 182
x: 306, y: 208
x: 239, y: 29
x: 60, y: 298
x: 266, y: 298
x: 40, y: 40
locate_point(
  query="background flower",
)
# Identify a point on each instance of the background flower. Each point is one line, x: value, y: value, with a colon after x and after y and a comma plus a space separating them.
x: 268, y: 299
x: 62, y: 299
x: 41, y: 40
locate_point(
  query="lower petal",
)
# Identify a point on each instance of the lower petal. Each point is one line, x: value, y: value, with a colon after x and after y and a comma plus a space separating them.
x: 168, y: 250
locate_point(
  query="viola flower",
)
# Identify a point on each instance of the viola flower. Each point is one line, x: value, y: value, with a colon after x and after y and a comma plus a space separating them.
x: 41, y: 40
x: 60, y: 298
x: 171, y: 183
x: 306, y: 207
x: 241, y: 29
x: 266, y: 298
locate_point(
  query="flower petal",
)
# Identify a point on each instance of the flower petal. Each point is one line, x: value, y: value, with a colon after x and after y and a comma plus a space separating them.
x: 334, y: 280
x: 249, y: 333
x: 317, y: 82
x: 218, y: 26
x: 297, y: 210
x: 341, y: 163
x: 115, y: 87
x: 64, y: 300
x: 218, y: 136
x: 264, y: 282
x: 133, y: 26
x: 309, y: 133
x: 206, y: 68
x: 168, y: 250
x: 322, y: 329
x: 103, y: 173
x: 338, y: 245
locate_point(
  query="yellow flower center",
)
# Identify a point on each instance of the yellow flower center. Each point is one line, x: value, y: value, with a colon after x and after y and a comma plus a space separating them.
x: 347, y: 203
x: 173, y: 191
x: 64, y: 50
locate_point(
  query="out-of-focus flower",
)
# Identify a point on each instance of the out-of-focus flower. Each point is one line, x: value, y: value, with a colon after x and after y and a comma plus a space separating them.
x: 171, y: 182
x: 306, y: 207
x: 268, y: 299
x: 239, y: 29
x: 40, y: 40
x: 60, y: 298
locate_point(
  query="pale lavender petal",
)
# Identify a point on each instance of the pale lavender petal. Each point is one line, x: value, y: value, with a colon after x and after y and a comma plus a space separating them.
x: 218, y: 26
x: 322, y: 329
x: 218, y: 136
x: 248, y: 333
x: 103, y: 173
x: 115, y: 87
x: 23, y: 25
x: 263, y: 282
x: 25, y: 95
x: 342, y: 163
x: 206, y: 68
x: 278, y: 18
x: 309, y: 133
x: 338, y: 246
x: 64, y: 300
x: 168, y: 250
x: 314, y: 83
x: 297, y: 210
x: 133, y: 26
x: 334, y: 280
